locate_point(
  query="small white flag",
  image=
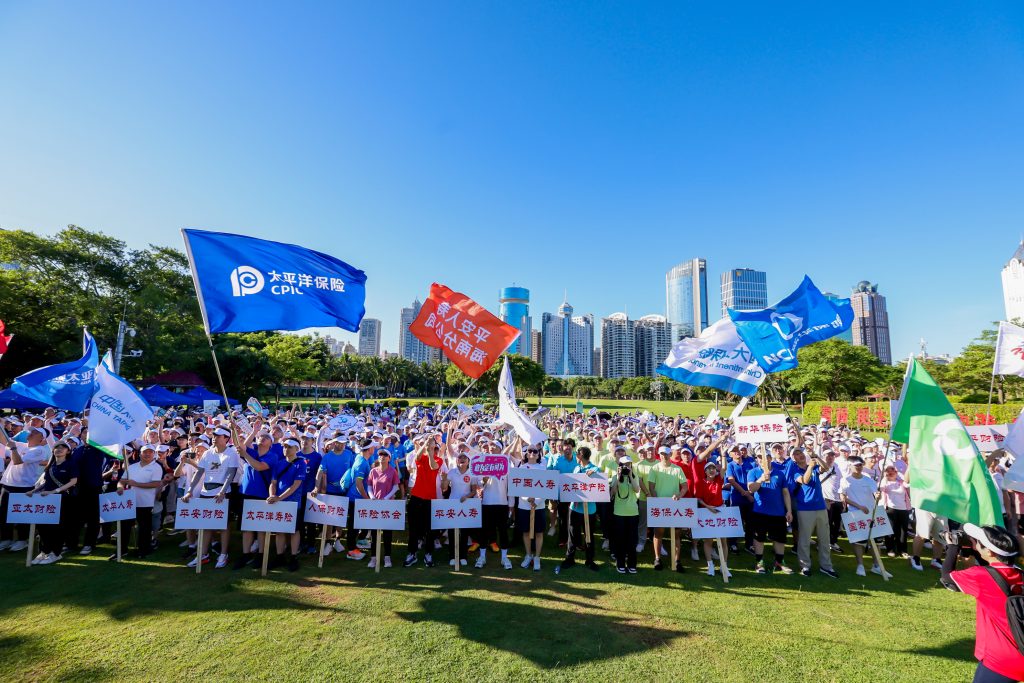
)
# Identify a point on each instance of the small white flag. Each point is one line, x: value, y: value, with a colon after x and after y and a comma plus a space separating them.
x: 1009, y: 350
x: 509, y: 413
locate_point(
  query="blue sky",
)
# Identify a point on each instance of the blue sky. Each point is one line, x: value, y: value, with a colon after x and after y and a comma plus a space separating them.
x: 585, y: 147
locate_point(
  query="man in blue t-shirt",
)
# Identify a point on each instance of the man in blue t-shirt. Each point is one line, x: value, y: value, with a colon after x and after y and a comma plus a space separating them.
x: 771, y: 512
x: 735, y: 492
x: 354, y: 485
x: 286, y: 485
x: 812, y: 514
x: 337, y: 461
x: 258, y: 461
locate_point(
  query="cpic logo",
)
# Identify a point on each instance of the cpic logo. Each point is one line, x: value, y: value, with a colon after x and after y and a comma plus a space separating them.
x: 246, y: 280
x: 787, y: 324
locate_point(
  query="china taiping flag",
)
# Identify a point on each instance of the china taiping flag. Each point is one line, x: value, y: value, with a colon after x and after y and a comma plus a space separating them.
x: 467, y: 333
x: 5, y: 339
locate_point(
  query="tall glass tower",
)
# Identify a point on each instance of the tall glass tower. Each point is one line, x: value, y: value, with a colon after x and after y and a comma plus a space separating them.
x: 744, y: 290
x: 686, y: 298
x: 515, y: 310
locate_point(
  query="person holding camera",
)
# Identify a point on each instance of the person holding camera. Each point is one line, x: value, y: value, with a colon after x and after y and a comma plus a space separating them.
x: 625, y: 513
x: 992, y: 580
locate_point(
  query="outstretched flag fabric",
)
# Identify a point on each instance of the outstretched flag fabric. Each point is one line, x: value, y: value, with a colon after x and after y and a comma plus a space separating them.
x: 774, y: 334
x: 468, y: 334
x: 5, y: 339
x: 509, y: 412
x: 117, y: 412
x: 717, y: 358
x: 947, y: 473
x: 66, y: 385
x: 247, y: 284
x: 1009, y: 350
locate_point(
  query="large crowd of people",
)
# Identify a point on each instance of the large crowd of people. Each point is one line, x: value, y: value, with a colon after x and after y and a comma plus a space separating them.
x: 790, y: 493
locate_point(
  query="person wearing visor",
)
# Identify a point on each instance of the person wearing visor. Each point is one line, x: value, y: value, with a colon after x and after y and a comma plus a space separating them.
x: 858, y: 492
x: 709, y: 496
x: 286, y: 484
x: 382, y: 483
x: 214, y: 473
x: 58, y: 478
x: 991, y: 581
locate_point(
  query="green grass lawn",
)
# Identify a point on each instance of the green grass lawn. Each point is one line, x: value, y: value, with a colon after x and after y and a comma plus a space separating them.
x: 89, y: 619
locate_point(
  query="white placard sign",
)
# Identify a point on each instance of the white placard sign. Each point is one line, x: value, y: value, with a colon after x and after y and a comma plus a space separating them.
x: 665, y: 513
x: 380, y: 514
x: 115, y: 508
x: 726, y: 523
x: 525, y: 481
x: 856, y: 524
x: 277, y: 518
x: 34, y: 509
x: 582, y: 488
x: 343, y: 423
x: 201, y: 513
x: 451, y: 514
x: 760, y: 429
x: 988, y: 437
x: 326, y: 509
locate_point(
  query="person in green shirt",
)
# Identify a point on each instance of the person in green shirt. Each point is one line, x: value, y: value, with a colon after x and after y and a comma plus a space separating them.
x: 626, y: 513
x: 666, y: 480
x: 577, y: 529
x: 643, y: 469
x: 606, y: 461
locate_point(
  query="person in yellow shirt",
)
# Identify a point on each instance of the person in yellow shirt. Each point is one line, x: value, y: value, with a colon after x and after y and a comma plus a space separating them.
x: 648, y: 460
x: 666, y: 480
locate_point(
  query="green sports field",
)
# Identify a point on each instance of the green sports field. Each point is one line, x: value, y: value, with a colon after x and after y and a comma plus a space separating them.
x: 89, y: 619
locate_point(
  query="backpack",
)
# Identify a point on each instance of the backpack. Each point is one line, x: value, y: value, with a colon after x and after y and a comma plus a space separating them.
x: 1014, y: 608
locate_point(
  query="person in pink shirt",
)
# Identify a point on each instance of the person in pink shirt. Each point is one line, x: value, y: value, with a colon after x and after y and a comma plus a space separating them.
x: 896, y: 498
x: 382, y: 484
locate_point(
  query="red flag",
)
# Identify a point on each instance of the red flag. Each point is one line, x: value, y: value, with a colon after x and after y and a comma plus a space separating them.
x: 466, y: 332
x: 4, y: 339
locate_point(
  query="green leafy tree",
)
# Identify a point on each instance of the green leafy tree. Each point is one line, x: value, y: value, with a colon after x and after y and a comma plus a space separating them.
x: 833, y: 369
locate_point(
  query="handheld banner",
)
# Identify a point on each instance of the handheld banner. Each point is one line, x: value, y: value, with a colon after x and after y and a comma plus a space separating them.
x: 665, y: 513
x: 201, y: 513
x: 35, y: 509
x: 115, y: 508
x: 489, y: 466
x: 988, y: 437
x: 380, y: 514
x: 856, y: 524
x: 581, y: 488
x: 726, y: 523
x: 760, y: 429
x: 525, y: 481
x: 451, y: 514
x: 277, y: 518
x: 326, y: 509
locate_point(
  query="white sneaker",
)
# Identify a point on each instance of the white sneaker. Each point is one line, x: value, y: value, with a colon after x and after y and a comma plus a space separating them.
x: 451, y: 563
x: 462, y: 561
x: 927, y: 545
x: 338, y: 546
x: 878, y: 570
x: 255, y: 547
x: 18, y: 546
x: 639, y: 548
x: 327, y: 549
x: 372, y: 564
x: 38, y: 558
x: 937, y: 565
x: 185, y: 544
x: 711, y: 568
x: 860, y: 570
x: 536, y: 564
x: 726, y: 573
x: 49, y: 559
x: 694, y: 555
x: 481, y: 563
x: 4, y: 545
x: 607, y: 544
x: 192, y: 563
x: 526, y: 561
x: 552, y: 531
x: 506, y: 563
x: 437, y: 544
x: 222, y: 561
x: 915, y: 565
x: 387, y: 562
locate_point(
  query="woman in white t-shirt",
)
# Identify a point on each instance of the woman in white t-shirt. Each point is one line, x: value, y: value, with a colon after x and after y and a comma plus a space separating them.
x: 27, y: 462
x: 858, y: 493
x: 527, y: 505
x: 460, y: 485
x: 215, y: 470
x: 896, y: 498
x: 145, y: 478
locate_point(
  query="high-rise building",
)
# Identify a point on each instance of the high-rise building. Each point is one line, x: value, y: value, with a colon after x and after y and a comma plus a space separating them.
x: 536, y: 347
x: 1013, y: 285
x: 515, y: 310
x: 369, y: 337
x: 568, y: 342
x: 653, y: 344
x: 847, y: 334
x: 409, y: 347
x: 744, y: 289
x: 618, y: 347
x: 686, y: 298
x: 598, y: 372
x: 870, y: 321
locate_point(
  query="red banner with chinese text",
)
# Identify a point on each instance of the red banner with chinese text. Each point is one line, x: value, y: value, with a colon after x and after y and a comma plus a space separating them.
x: 467, y: 333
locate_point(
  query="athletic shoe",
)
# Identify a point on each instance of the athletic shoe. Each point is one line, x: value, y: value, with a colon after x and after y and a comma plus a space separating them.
x: 631, y: 570
x: 359, y: 554
x: 680, y: 568
x: 363, y: 544
x: 222, y: 561
x: 927, y: 545
x: 18, y: 546
x: 437, y: 544
x: 805, y: 572
x: 293, y: 564
x: 327, y: 549
x: 891, y: 554
x: 835, y: 548
x: 878, y: 570
x: 658, y: 566
x: 607, y: 544
x: 726, y: 573
x: 387, y: 563
x: 473, y: 547
x: 311, y: 550
x: 733, y: 548
x: 860, y: 570
x: 480, y: 563
x: 526, y: 561
x: 779, y: 567
x: 936, y: 565
x: 593, y: 566
x: 49, y: 559
x: 829, y: 572
x: 711, y: 570
x: 372, y: 564
x: 915, y: 564
x: 428, y: 560
x: 506, y: 563
x: 536, y: 564
x: 621, y: 570
x: 639, y: 548
x: 552, y: 531
x: 338, y: 546
x: 185, y: 544
x: 38, y: 558
x: 759, y: 568
x: 86, y: 550
x: 410, y: 560
x: 4, y: 545
x: 694, y: 555
x: 495, y: 548
x: 192, y: 564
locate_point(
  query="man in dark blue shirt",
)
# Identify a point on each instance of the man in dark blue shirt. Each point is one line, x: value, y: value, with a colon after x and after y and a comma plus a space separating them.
x: 91, y: 462
x: 805, y: 487
x: 772, y: 511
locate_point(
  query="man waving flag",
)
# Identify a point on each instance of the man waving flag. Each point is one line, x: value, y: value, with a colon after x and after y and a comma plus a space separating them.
x: 947, y: 473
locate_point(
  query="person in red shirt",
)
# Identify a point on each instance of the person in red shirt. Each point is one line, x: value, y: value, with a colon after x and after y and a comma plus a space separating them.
x: 423, y: 471
x: 996, y: 550
x: 709, y: 495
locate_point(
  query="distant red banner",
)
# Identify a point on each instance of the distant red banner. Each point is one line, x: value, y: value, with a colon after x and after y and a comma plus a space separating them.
x: 467, y: 333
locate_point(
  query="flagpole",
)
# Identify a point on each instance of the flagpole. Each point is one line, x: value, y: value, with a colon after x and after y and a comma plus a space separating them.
x: 452, y: 406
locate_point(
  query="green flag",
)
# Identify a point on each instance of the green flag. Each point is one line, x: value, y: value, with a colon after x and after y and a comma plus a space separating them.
x: 947, y: 474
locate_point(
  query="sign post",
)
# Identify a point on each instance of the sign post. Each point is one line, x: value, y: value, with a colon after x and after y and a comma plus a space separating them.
x: 201, y: 514
x: 21, y: 509
x: 456, y: 515
x: 269, y: 519
x: 326, y: 510
x: 379, y: 515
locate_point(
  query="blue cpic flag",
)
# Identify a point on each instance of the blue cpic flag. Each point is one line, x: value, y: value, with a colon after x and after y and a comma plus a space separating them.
x: 66, y: 385
x: 774, y: 334
x: 247, y: 284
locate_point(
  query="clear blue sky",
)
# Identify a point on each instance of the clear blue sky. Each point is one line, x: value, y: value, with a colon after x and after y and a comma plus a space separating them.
x: 579, y: 146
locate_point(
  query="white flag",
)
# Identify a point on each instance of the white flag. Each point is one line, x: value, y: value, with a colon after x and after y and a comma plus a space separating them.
x: 117, y: 412
x: 717, y: 358
x: 1009, y: 350
x: 1014, y: 441
x: 511, y: 414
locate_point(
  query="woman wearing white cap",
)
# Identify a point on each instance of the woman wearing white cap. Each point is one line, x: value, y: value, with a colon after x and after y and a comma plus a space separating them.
x: 991, y: 581
x: 58, y: 478
x: 525, y: 506
x: 145, y: 477
x: 626, y: 513
x: 27, y: 461
x: 215, y: 472
x: 286, y: 484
